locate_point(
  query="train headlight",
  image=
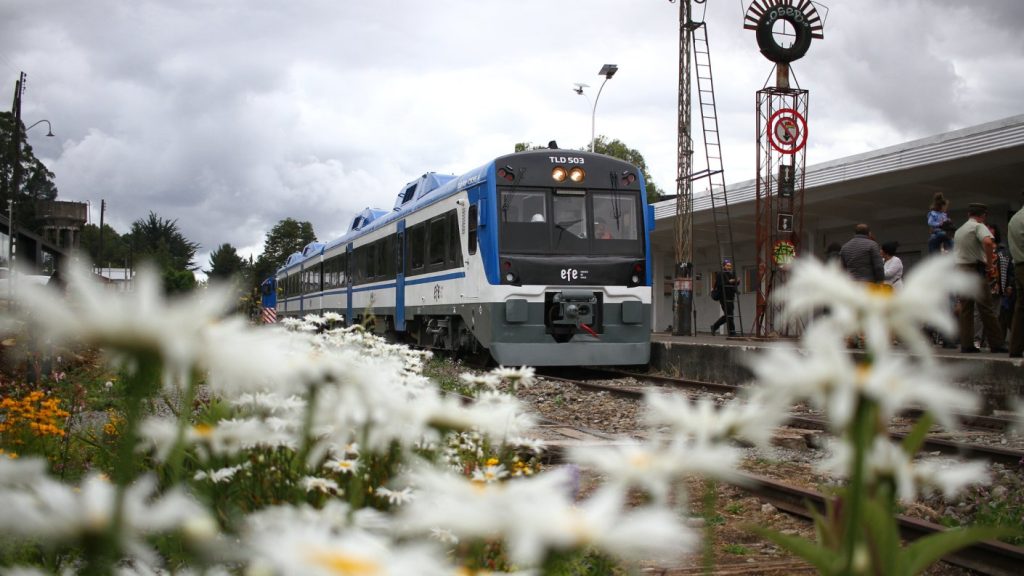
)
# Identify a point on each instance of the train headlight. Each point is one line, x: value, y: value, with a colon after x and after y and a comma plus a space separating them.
x: 635, y: 279
x: 558, y: 174
x: 577, y: 174
x: 628, y: 178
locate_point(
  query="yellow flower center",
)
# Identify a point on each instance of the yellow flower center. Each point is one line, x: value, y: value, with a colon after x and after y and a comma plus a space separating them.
x: 345, y: 564
x: 880, y: 290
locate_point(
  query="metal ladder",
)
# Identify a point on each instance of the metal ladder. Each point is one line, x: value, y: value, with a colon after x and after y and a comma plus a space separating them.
x: 715, y: 172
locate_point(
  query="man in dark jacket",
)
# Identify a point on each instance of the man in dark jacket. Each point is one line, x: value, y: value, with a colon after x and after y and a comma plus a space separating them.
x: 861, y: 256
x: 725, y: 287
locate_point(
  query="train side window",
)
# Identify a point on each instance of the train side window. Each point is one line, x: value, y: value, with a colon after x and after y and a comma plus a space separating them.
x: 385, y: 257
x: 471, y: 236
x: 438, y: 241
x: 417, y: 246
x: 343, y: 270
x: 372, y: 269
x: 359, y: 270
x: 454, y: 241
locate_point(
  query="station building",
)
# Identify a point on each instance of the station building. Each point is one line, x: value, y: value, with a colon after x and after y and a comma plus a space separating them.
x: 890, y: 189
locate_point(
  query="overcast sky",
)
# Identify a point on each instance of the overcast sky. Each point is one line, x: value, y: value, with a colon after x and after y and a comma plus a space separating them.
x: 230, y: 115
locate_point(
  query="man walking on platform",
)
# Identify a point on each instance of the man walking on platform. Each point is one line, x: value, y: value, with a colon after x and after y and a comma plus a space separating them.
x: 1015, y: 239
x: 975, y: 251
x: 725, y: 290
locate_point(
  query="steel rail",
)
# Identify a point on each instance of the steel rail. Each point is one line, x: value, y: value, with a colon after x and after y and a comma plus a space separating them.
x: 1005, y: 456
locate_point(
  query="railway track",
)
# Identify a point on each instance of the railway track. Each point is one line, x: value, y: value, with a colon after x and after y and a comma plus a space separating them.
x: 1006, y: 456
x: 989, y: 557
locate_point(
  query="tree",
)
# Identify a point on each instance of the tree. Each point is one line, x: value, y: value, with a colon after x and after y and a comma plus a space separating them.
x: 619, y: 150
x: 116, y: 251
x: 160, y: 241
x: 35, y: 181
x: 285, y: 238
x: 225, y: 263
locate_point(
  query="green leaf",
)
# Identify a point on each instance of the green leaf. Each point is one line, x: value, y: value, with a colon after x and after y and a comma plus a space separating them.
x: 821, y: 558
x: 931, y: 549
x: 913, y: 441
x: 884, y: 535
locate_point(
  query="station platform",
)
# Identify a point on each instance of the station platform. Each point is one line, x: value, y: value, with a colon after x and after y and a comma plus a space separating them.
x: 998, y: 378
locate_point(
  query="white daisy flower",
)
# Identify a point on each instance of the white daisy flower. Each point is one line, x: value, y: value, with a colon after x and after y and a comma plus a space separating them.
x: 142, y: 320
x: 523, y: 376
x: 489, y: 381
x: 490, y: 473
x: 325, y: 485
x: 396, y: 497
x: 343, y: 465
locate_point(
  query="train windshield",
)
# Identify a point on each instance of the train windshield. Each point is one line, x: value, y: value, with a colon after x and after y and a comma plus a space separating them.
x: 555, y: 221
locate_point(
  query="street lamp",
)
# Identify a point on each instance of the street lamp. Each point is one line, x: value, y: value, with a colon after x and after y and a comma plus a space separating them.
x: 49, y: 127
x: 16, y: 185
x: 608, y: 70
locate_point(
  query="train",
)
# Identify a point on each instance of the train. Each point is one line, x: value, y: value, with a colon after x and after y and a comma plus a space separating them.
x: 538, y: 258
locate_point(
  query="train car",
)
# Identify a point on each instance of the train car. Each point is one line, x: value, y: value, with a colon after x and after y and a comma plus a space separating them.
x: 537, y: 258
x: 268, y: 301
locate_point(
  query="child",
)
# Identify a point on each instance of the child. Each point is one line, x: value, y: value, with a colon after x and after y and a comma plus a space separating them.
x: 941, y: 226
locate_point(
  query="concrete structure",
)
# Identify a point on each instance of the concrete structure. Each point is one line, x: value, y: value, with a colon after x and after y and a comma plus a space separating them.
x: 890, y: 189
x: 62, y: 222
x: 32, y: 254
x: 996, y: 378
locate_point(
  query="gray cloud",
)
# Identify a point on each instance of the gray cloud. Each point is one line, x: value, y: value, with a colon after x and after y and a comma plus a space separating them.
x: 229, y: 116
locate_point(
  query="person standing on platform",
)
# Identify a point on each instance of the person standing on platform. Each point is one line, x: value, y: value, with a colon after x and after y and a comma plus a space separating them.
x: 974, y: 250
x: 861, y: 257
x: 892, y: 264
x: 940, y: 225
x: 725, y: 292
x: 1015, y: 239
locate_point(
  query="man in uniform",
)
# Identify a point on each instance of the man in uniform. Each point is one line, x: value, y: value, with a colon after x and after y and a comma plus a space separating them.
x: 975, y: 252
x: 1015, y: 238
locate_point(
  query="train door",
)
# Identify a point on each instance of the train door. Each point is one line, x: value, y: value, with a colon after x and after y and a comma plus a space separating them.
x: 470, y: 242
x: 400, y: 278
x: 349, y: 265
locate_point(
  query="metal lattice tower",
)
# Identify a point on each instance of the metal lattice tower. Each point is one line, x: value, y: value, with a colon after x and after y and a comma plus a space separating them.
x: 784, y: 30
x: 775, y: 200
x: 682, y: 292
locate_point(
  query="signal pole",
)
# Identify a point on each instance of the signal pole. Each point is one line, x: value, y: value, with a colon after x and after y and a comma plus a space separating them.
x: 682, y: 290
x: 19, y: 87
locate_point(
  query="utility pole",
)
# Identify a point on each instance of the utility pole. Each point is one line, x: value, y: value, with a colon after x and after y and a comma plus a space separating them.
x: 16, y: 137
x: 99, y: 254
x: 682, y: 292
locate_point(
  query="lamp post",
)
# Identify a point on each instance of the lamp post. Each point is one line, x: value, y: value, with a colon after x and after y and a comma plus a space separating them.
x: 608, y: 70
x: 15, y: 187
x: 49, y: 127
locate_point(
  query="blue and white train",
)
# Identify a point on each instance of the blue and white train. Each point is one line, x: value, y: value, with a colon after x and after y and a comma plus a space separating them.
x: 537, y: 258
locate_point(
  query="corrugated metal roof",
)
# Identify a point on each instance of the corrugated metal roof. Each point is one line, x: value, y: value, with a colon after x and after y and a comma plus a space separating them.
x: 980, y: 139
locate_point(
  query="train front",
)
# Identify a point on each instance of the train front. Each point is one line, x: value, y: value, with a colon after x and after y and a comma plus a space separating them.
x: 569, y: 263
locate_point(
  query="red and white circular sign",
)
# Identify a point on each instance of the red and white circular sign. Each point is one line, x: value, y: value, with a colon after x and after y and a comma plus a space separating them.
x: 787, y: 131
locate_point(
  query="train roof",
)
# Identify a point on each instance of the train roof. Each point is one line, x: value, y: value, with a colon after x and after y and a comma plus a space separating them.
x: 427, y: 189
